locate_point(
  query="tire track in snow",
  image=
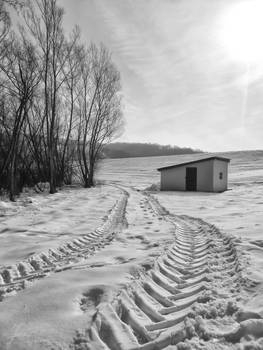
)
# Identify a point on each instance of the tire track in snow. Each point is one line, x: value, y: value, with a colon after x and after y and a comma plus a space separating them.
x: 190, y: 292
x: 65, y: 256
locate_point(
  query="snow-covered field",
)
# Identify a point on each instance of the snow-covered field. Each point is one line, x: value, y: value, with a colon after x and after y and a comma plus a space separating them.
x: 117, y: 267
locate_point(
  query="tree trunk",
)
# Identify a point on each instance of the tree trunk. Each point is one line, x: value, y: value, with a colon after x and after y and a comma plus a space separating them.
x: 90, y: 179
x: 12, y: 190
x: 52, y: 180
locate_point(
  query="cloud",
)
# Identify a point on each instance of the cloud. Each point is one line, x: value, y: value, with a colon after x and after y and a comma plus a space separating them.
x: 179, y: 85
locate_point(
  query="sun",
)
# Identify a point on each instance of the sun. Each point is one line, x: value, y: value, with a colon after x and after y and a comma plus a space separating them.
x: 241, y: 31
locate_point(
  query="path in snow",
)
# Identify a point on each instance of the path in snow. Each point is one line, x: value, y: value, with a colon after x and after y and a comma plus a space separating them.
x: 183, y: 286
x: 189, y: 297
x: 65, y: 256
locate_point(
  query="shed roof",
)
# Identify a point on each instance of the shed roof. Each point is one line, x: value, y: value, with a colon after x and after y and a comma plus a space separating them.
x: 193, y: 162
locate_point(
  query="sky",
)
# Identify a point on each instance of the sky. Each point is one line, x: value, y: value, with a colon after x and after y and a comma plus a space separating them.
x: 187, y: 79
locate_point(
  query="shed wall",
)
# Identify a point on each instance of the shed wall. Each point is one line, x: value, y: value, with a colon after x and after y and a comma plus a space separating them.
x: 205, y: 176
x: 173, y: 179
x: 220, y: 166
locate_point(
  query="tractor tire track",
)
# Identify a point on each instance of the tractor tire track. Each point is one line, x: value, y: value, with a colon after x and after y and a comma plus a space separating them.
x: 189, y: 292
x: 65, y: 256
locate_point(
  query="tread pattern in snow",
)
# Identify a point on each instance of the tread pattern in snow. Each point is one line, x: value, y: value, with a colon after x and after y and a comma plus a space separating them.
x: 162, y: 307
x: 65, y: 256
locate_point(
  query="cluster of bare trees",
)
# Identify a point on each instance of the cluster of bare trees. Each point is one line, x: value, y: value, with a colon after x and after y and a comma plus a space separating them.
x: 59, y: 100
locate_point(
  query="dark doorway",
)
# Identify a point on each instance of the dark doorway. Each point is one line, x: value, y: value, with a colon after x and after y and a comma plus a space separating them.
x: 191, y: 179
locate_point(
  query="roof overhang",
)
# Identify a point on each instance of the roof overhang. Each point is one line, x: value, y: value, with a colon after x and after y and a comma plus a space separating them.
x: 193, y: 162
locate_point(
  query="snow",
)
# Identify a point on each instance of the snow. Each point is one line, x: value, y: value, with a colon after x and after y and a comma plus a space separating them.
x: 45, y: 313
x: 46, y: 221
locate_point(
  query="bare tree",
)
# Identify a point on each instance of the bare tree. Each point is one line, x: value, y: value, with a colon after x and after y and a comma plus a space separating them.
x: 59, y: 101
x: 70, y: 94
x: 19, y: 80
x: 86, y: 98
x: 44, y: 21
x: 100, y: 117
x: 5, y: 21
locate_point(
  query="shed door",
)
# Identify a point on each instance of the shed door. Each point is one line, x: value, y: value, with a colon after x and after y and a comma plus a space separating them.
x: 191, y: 179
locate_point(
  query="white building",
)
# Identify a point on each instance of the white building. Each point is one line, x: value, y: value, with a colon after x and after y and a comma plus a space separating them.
x: 208, y: 174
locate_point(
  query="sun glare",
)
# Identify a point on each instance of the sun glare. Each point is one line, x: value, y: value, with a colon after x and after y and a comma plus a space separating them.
x: 242, y: 31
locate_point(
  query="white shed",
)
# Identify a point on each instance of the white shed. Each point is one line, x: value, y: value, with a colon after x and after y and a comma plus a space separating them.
x: 208, y: 174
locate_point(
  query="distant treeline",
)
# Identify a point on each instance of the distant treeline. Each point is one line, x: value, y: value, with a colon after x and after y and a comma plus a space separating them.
x: 127, y: 150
